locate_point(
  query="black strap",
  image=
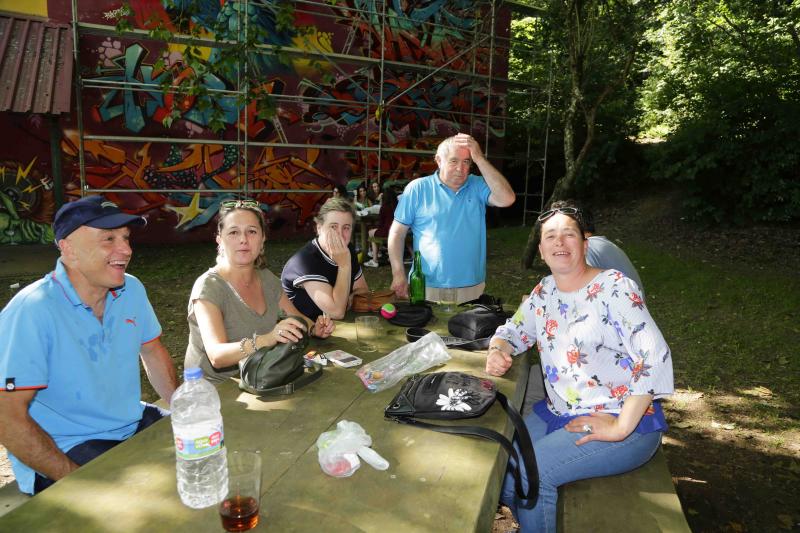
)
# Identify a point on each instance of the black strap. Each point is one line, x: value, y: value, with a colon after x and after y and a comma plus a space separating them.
x: 523, y: 439
x: 308, y: 377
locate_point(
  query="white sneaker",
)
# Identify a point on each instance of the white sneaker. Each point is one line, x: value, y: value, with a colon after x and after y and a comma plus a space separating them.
x: 371, y: 263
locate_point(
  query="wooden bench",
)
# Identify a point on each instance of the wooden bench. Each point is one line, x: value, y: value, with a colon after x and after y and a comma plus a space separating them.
x: 643, y: 500
x: 11, y: 498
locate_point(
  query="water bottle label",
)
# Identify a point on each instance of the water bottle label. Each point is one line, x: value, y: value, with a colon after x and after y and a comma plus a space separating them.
x: 199, y: 443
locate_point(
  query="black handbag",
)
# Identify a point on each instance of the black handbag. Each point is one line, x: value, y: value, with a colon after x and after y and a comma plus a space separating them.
x: 456, y: 395
x: 277, y: 370
x: 478, y: 324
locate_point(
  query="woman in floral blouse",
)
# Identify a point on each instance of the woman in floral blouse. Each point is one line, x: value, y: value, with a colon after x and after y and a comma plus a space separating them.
x: 605, y: 365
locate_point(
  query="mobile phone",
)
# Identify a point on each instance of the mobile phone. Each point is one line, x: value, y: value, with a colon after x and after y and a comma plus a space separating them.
x: 342, y: 358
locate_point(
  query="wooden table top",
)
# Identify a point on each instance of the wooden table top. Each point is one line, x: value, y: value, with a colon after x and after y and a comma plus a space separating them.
x: 435, y: 482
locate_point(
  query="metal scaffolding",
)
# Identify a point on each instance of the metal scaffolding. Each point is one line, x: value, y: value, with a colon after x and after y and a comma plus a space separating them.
x: 346, y: 63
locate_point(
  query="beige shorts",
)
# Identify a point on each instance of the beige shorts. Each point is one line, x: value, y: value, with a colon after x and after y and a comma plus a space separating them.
x: 463, y: 294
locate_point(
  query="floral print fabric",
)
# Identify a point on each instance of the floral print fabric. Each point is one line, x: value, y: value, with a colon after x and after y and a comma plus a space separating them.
x: 598, y: 345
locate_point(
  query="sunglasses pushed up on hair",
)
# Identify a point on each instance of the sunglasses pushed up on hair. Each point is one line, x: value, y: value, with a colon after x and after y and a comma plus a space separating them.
x: 237, y: 204
x: 569, y: 211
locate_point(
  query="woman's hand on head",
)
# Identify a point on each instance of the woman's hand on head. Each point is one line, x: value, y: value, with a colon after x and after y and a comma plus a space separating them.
x: 602, y: 426
x: 323, y: 327
x: 288, y: 330
x: 337, y: 248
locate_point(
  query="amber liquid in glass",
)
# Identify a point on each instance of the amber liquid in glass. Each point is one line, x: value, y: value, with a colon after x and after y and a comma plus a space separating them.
x: 239, y: 513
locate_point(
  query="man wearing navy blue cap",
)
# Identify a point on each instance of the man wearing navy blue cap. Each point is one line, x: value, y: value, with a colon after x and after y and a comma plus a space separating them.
x: 70, y: 348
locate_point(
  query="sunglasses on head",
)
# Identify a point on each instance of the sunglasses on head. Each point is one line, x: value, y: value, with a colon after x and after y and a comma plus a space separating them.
x: 569, y: 211
x: 237, y: 204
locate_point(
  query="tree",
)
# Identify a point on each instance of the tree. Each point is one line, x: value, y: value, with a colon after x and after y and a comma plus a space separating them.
x: 597, y: 41
x: 725, y: 94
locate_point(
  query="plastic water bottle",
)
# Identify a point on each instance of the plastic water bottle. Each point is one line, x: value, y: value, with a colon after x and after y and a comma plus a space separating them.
x: 200, y: 457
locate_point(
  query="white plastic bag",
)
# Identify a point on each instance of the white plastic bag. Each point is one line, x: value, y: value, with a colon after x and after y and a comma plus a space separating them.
x: 409, y: 359
x: 339, y: 450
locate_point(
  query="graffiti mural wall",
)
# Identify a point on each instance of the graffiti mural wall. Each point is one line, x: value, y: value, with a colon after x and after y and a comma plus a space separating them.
x: 366, y: 81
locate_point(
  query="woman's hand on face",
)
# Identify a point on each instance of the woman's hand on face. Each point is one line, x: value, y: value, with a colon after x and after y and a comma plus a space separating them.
x: 323, y: 327
x: 498, y: 362
x: 339, y: 251
x: 596, y: 426
x: 288, y: 330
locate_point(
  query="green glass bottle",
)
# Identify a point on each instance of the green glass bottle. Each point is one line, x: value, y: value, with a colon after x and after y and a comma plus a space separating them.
x: 416, y: 281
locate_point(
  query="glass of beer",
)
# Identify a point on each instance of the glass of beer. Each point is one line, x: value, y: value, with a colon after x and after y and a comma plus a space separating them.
x: 239, y: 509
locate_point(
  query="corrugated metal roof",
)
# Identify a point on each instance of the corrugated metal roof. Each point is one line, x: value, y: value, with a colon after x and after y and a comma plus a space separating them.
x: 35, y: 65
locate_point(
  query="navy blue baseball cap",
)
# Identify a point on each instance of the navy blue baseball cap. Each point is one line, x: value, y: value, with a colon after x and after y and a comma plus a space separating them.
x: 92, y: 211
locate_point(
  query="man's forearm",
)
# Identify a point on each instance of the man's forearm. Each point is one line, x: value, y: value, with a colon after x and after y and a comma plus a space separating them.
x: 501, y: 192
x: 160, y: 370
x: 30, y: 444
x: 395, y: 246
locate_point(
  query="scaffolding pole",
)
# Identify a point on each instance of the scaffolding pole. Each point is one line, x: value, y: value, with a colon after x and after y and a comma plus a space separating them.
x: 378, y: 14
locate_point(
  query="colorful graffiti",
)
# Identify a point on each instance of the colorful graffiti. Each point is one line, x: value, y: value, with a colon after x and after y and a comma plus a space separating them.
x: 328, y: 113
x: 26, y: 204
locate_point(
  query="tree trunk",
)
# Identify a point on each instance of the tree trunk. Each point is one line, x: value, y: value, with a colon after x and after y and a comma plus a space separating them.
x: 580, y: 41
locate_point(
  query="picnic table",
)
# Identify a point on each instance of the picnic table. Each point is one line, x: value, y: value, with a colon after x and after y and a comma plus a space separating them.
x: 435, y: 482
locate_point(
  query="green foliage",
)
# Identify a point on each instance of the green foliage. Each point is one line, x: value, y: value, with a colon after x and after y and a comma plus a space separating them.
x: 725, y: 92
x: 589, y: 71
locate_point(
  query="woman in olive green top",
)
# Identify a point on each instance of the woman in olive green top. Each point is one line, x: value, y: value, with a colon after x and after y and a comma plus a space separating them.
x: 233, y: 307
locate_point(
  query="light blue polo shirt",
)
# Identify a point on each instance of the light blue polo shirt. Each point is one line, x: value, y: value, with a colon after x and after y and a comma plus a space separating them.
x: 86, y: 373
x: 449, y: 229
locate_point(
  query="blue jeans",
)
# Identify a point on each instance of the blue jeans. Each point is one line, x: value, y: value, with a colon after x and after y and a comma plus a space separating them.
x: 86, y: 451
x: 560, y: 461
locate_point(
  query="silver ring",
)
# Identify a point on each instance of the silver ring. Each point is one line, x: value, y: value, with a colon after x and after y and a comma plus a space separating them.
x: 587, y: 428
x: 280, y: 334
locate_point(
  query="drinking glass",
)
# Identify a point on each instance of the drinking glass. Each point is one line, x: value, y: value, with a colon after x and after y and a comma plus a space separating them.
x: 367, y: 328
x: 239, y: 509
x: 448, y: 299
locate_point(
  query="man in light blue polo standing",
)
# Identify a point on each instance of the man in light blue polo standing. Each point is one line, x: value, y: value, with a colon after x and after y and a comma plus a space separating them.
x: 70, y: 349
x: 447, y: 214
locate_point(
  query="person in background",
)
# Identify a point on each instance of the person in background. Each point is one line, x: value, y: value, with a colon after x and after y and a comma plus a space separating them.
x: 606, y: 365
x: 375, y: 193
x: 322, y: 277
x: 362, y: 199
x: 339, y: 191
x: 70, y: 386
x: 447, y: 215
x: 385, y: 219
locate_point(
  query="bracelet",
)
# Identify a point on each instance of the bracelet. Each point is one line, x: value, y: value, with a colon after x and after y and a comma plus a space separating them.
x: 496, y: 347
x: 241, y: 346
x: 253, y: 340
